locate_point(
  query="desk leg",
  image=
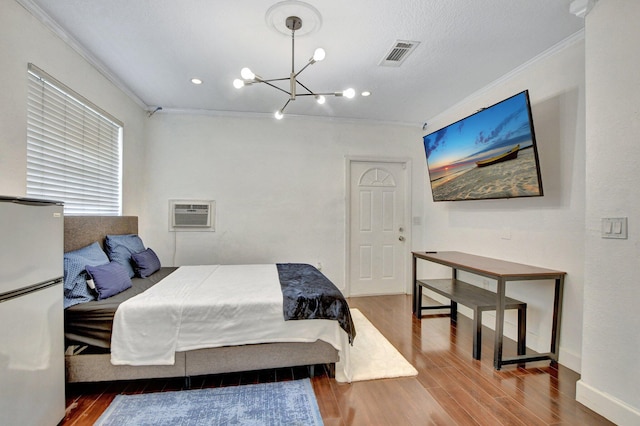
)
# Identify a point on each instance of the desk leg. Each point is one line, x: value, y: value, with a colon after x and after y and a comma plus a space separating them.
x: 453, y: 313
x: 522, y: 330
x: 416, y: 302
x: 477, y: 333
x: 557, y: 316
x: 500, y: 302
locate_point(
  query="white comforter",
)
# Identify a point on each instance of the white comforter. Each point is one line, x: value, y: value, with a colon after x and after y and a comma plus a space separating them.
x: 210, y: 306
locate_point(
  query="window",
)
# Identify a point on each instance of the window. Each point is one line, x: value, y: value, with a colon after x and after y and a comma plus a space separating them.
x: 74, y: 149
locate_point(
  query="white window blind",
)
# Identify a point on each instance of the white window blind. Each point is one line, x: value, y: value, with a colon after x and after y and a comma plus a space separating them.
x: 74, y: 149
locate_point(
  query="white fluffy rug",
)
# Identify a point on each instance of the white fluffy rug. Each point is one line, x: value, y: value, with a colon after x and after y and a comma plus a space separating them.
x: 372, y: 356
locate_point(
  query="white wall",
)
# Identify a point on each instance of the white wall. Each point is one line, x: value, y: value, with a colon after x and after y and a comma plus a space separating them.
x: 24, y: 39
x: 279, y: 186
x: 610, y: 382
x: 544, y: 231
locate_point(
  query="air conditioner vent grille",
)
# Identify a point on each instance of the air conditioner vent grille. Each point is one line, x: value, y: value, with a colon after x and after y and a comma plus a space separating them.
x: 398, y: 53
x: 191, y: 206
x: 196, y: 215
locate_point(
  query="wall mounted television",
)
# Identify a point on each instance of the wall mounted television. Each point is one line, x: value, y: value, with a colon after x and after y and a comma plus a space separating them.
x: 487, y: 155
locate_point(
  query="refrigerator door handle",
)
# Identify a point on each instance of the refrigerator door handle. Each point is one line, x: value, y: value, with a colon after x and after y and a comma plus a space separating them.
x: 29, y: 289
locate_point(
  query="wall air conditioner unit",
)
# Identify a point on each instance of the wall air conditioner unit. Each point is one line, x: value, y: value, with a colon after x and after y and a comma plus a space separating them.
x: 191, y: 215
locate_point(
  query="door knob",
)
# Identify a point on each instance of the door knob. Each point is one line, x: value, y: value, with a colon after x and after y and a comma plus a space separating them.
x: 401, y: 238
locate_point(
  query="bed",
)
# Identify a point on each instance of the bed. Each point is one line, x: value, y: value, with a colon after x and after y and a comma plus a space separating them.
x: 88, y: 329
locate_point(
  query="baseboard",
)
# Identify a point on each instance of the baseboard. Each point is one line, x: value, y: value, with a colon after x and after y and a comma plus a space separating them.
x: 571, y: 360
x: 606, y: 405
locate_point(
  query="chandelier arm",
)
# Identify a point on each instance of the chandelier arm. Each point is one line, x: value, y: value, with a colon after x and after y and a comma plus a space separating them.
x: 307, y: 89
x: 285, y: 105
x: 276, y: 87
x: 273, y: 79
x: 304, y: 68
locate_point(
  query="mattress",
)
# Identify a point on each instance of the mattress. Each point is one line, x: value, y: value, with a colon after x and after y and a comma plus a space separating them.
x: 307, y: 294
x: 208, y: 306
x: 91, y: 323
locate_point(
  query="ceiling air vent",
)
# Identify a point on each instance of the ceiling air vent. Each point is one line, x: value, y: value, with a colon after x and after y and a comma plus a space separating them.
x: 398, y: 53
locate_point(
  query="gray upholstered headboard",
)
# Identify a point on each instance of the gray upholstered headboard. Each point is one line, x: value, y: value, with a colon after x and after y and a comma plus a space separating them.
x: 80, y: 231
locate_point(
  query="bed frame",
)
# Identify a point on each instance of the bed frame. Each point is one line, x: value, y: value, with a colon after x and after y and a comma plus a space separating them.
x: 80, y: 231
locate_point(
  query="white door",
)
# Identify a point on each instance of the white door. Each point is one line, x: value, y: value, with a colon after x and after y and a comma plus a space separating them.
x: 377, y: 246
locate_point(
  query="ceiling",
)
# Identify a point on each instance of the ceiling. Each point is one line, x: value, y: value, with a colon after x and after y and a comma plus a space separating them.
x: 152, y: 49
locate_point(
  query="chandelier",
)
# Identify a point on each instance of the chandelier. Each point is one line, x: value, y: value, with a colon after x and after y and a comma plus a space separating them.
x: 293, y: 23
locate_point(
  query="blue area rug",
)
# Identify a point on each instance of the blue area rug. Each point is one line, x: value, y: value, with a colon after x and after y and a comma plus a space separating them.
x: 279, y: 403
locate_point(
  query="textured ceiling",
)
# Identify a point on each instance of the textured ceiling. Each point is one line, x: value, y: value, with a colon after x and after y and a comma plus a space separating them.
x: 154, y: 47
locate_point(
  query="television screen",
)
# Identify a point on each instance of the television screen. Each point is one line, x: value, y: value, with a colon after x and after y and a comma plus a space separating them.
x: 490, y: 154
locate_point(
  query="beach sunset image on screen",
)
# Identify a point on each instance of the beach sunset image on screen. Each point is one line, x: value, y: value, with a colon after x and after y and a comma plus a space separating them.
x: 490, y: 154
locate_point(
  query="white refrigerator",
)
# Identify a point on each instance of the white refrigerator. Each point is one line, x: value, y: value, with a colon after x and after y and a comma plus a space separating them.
x: 32, y: 378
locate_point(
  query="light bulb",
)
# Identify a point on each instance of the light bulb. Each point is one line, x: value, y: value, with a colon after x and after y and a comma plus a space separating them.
x: 319, y: 54
x: 238, y: 84
x: 320, y: 99
x: 247, y: 74
x: 366, y: 93
x: 196, y: 81
x: 349, y: 93
x: 278, y: 115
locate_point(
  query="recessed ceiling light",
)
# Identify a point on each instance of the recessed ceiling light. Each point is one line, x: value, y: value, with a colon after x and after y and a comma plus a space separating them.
x: 196, y: 81
x: 366, y: 93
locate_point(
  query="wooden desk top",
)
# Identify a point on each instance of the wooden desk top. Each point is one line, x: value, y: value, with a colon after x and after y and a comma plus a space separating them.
x: 487, y: 266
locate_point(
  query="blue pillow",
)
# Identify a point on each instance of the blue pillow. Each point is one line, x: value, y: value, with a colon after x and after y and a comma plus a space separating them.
x: 75, y: 275
x: 120, y: 248
x: 109, y: 279
x: 146, y: 263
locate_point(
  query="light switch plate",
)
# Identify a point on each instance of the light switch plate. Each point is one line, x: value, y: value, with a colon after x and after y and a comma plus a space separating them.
x: 614, y: 227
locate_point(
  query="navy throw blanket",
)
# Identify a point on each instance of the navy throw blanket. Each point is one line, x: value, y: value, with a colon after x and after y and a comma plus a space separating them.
x: 308, y: 294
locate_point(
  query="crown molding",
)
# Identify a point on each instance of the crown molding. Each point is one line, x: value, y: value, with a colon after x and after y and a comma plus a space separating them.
x: 564, y: 44
x: 52, y: 25
x: 269, y: 115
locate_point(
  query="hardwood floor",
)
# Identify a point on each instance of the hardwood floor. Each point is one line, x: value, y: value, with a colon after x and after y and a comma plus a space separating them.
x: 451, y: 388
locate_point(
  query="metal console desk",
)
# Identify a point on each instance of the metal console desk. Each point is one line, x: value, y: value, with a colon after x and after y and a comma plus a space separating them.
x: 501, y: 271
